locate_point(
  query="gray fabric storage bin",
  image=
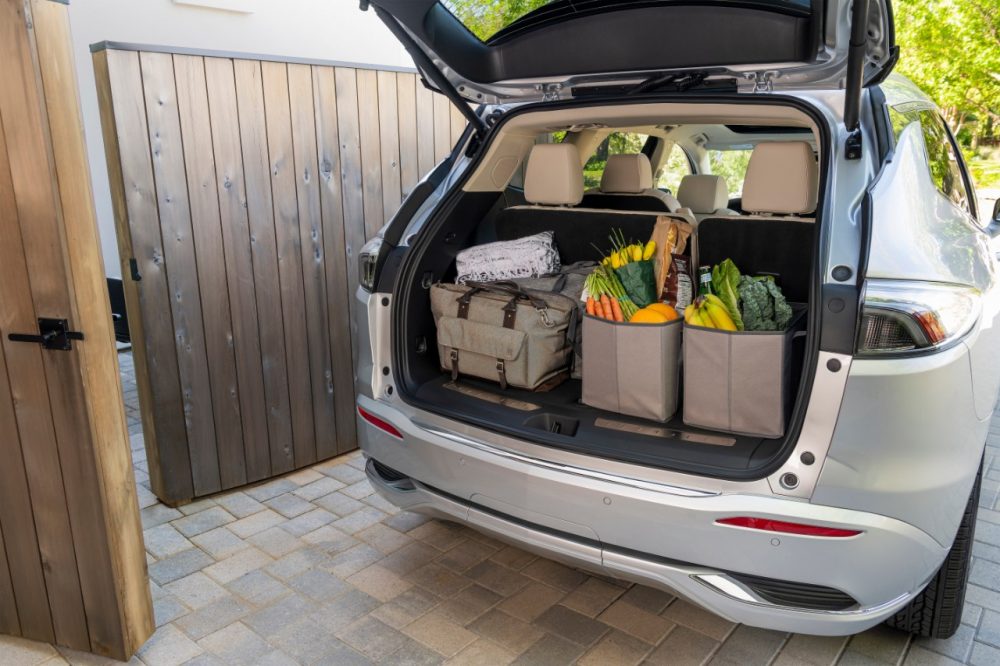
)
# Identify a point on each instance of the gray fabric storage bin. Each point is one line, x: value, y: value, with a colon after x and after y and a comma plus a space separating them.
x: 738, y: 381
x: 632, y: 369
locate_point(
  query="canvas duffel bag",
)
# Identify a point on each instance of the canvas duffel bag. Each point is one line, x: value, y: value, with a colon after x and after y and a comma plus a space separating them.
x: 499, y: 331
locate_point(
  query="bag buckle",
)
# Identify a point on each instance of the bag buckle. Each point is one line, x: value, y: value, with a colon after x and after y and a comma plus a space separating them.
x: 543, y: 314
x: 454, y: 364
x: 502, y: 372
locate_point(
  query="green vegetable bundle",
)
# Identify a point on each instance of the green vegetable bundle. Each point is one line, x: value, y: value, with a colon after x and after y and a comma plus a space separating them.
x: 639, y: 280
x: 725, y: 285
x: 764, y: 306
x: 604, y: 280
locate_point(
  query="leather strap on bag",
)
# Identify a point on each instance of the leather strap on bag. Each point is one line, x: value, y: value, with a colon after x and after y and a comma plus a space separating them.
x: 454, y: 364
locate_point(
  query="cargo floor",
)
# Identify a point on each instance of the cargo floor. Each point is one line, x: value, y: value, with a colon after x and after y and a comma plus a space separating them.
x: 557, y: 418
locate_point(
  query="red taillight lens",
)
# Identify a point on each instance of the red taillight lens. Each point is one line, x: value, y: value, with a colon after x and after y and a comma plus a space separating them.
x: 768, y: 525
x: 905, y: 317
x: 381, y: 424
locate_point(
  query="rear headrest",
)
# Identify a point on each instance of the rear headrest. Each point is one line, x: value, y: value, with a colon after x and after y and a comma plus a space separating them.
x: 782, y: 178
x: 703, y: 193
x: 554, y: 176
x: 627, y: 174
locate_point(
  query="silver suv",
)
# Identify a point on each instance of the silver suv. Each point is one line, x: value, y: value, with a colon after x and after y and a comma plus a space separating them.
x: 855, y: 194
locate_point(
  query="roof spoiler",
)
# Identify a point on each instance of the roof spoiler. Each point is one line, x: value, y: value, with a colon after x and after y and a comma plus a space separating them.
x: 427, y: 68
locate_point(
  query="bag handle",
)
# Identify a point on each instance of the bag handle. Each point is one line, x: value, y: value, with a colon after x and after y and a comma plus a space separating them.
x: 509, y: 288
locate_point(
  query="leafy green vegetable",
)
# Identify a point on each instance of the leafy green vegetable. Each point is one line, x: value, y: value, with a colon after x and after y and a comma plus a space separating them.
x: 639, y: 280
x: 764, y: 306
x: 725, y: 285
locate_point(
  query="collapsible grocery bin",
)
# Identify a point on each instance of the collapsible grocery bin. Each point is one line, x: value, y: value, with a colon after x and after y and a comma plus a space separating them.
x: 631, y: 369
x: 739, y: 381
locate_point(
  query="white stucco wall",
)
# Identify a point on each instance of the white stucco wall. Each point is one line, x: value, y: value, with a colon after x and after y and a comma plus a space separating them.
x: 313, y: 29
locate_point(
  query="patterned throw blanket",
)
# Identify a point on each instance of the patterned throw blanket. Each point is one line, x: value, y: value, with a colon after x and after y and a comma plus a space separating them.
x: 528, y: 257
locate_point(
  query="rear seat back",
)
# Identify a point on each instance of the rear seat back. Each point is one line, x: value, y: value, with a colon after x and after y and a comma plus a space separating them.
x: 553, y: 185
x: 778, y: 237
x: 761, y: 245
x: 627, y: 184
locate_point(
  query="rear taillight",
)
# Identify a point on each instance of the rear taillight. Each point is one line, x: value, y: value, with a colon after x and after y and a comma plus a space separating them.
x: 380, y: 423
x: 369, y: 260
x: 769, y: 525
x: 903, y: 317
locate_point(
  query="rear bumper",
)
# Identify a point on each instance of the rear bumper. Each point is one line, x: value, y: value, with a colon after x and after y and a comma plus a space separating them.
x: 658, y: 535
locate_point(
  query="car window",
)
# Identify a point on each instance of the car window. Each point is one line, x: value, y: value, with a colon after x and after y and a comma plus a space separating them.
x: 944, y: 164
x: 732, y: 166
x: 617, y: 143
x: 675, y: 167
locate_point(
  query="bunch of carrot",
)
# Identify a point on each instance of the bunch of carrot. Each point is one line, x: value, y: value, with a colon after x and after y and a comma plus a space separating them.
x: 605, y: 307
x: 606, y: 296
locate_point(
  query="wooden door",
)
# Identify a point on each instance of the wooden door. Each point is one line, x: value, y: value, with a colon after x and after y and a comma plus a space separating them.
x: 243, y: 189
x: 72, y: 562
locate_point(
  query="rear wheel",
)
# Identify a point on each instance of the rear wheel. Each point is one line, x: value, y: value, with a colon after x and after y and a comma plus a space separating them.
x: 937, y: 611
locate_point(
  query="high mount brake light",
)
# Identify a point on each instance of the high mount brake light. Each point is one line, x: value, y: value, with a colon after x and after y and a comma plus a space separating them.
x: 906, y: 317
x: 380, y: 423
x: 769, y: 525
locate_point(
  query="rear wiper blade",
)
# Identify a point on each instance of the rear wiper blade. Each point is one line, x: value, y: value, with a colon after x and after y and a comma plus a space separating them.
x: 679, y: 81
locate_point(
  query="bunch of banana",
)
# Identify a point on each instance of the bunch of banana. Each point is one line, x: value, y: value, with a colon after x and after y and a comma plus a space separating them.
x: 627, y: 254
x: 709, y: 311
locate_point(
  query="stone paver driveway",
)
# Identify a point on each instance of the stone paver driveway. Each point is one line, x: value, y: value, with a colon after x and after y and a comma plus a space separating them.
x: 315, y: 568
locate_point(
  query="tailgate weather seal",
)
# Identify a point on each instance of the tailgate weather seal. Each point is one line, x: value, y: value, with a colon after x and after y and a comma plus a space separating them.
x: 583, y: 472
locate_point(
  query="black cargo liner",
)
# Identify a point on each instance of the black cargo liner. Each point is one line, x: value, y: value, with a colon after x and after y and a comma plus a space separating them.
x: 561, y: 420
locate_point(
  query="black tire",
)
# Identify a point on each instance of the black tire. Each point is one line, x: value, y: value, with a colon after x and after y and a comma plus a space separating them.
x: 937, y: 611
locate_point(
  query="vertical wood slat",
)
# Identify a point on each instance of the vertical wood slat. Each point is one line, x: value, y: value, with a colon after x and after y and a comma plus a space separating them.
x: 16, y: 514
x: 206, y: 225
x: 130, y: 171
x: 388, y: 122
x: 349, y: 129
x: 287, y: 170
x: 371, y: 151
x: 442, y: 128
x: 426, y: 150
x: 314, y: 260
x: 409, y: 169
x: 260, y: 211
x: 163, y: 125
x: 220, y: 80
x: 9, y: 623
x: 337, y: 255
x: 289, y: 246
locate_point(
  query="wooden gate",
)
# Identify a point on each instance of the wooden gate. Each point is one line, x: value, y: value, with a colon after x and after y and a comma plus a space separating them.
x: 243, y: 189
x: 72, y: 563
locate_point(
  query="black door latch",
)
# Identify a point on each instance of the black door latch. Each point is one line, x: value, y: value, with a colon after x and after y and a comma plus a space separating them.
x: 52, y: 334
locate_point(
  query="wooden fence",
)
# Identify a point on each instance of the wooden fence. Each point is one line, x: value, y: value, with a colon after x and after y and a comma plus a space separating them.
x: 244, y: 188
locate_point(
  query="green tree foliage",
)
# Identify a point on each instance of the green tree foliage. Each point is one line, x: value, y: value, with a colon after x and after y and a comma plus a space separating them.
x: 485, y: 18
x: 951, y: 49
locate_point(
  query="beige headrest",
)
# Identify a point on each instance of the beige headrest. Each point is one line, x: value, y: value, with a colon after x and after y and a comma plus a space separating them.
x: 554, y: 176
x: 782, y: 178
x: 703, y: 193
x: 627, y: 174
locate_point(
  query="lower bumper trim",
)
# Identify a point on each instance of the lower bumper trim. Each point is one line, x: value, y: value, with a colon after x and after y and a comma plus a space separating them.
x: 717, y: 591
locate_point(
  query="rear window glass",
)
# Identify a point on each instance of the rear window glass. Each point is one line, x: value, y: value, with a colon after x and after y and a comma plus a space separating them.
x: 486, y: 18
x: 732, y: 166
x: 943, y: 162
